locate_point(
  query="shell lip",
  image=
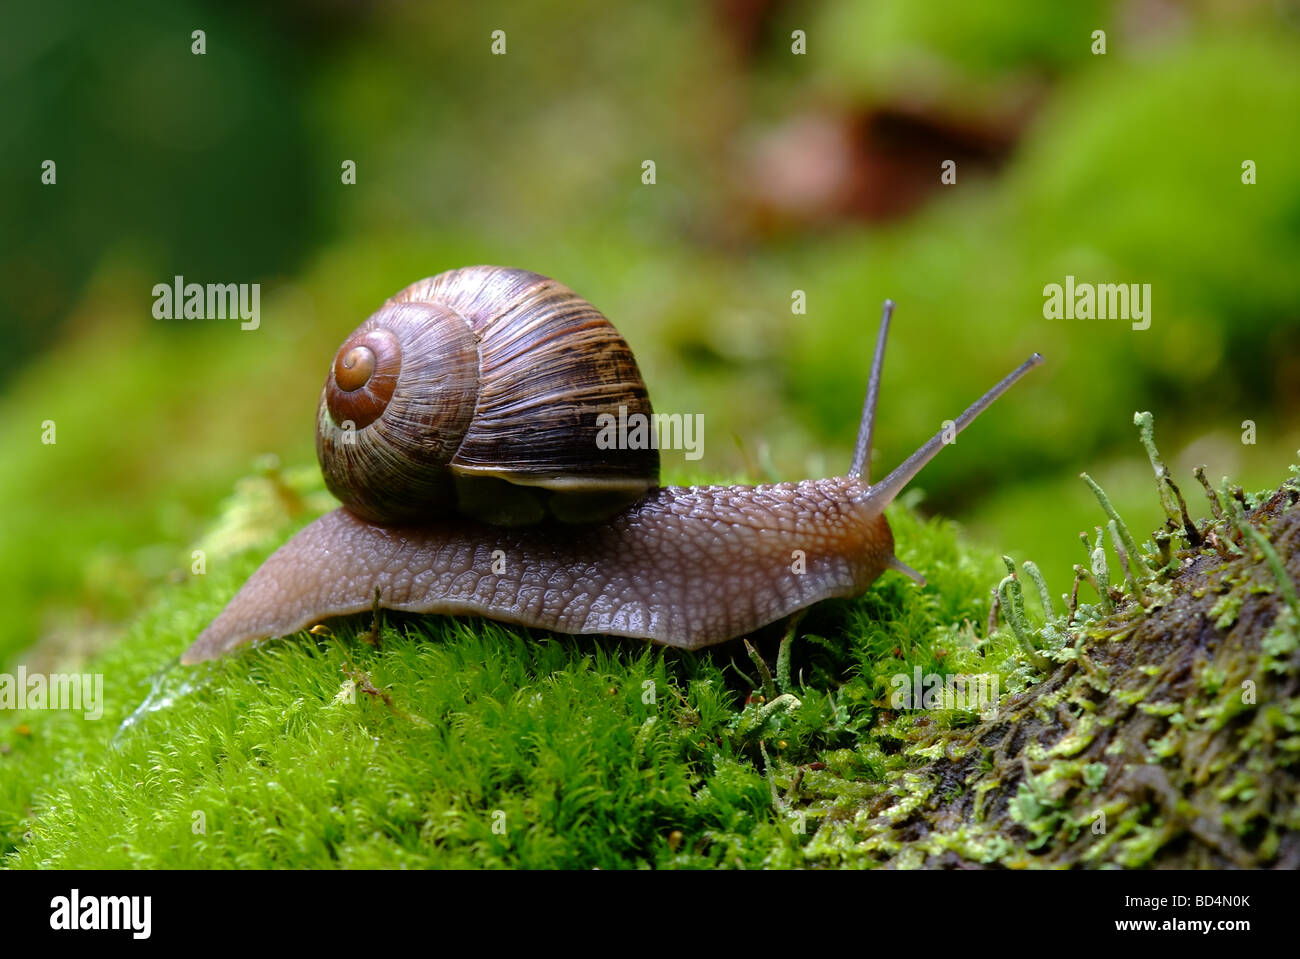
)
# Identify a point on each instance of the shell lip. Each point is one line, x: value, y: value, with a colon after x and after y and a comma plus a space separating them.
x: 568, y: 482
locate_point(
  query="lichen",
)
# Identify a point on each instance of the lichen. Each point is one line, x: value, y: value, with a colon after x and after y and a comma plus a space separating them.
x: 1166, y: 733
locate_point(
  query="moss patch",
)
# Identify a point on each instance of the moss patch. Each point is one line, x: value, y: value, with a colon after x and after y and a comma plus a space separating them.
x: 456, y: 742
x: 1169, y: 733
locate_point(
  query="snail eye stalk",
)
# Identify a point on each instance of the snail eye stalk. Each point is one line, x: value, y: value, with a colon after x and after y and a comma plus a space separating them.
x: 866, y: 428
x: 883, y: 493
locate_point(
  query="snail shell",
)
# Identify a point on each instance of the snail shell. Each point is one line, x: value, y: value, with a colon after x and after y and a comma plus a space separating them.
x: 477, y: 392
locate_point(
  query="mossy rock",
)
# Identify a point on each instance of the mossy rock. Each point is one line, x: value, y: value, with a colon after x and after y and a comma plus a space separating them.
x: 1169, y: 736
x: 465, y: 743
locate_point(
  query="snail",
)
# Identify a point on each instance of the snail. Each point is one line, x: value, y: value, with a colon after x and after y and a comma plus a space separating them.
x: 458, y: 426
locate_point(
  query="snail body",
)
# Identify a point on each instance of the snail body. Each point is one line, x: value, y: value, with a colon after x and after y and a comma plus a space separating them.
x: 599, y: 549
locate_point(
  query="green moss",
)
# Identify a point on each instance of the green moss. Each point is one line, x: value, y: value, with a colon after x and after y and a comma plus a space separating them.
x: 461, y: 742
x: 1166, y: 737
x: 1163, y: 732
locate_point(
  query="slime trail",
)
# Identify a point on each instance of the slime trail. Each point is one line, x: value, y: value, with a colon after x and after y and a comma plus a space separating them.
x: 168, y: 684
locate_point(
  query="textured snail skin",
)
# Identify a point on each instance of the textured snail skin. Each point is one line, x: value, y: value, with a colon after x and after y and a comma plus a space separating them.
x: 685, y: 566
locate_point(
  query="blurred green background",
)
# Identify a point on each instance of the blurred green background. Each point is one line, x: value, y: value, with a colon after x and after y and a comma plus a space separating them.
x: 775, y: 172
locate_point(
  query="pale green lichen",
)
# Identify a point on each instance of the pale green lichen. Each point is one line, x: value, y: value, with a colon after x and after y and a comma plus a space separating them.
x: 1148, y: 732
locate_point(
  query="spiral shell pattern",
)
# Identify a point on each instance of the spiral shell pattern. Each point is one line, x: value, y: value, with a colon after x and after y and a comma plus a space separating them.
x: 478, y: 391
